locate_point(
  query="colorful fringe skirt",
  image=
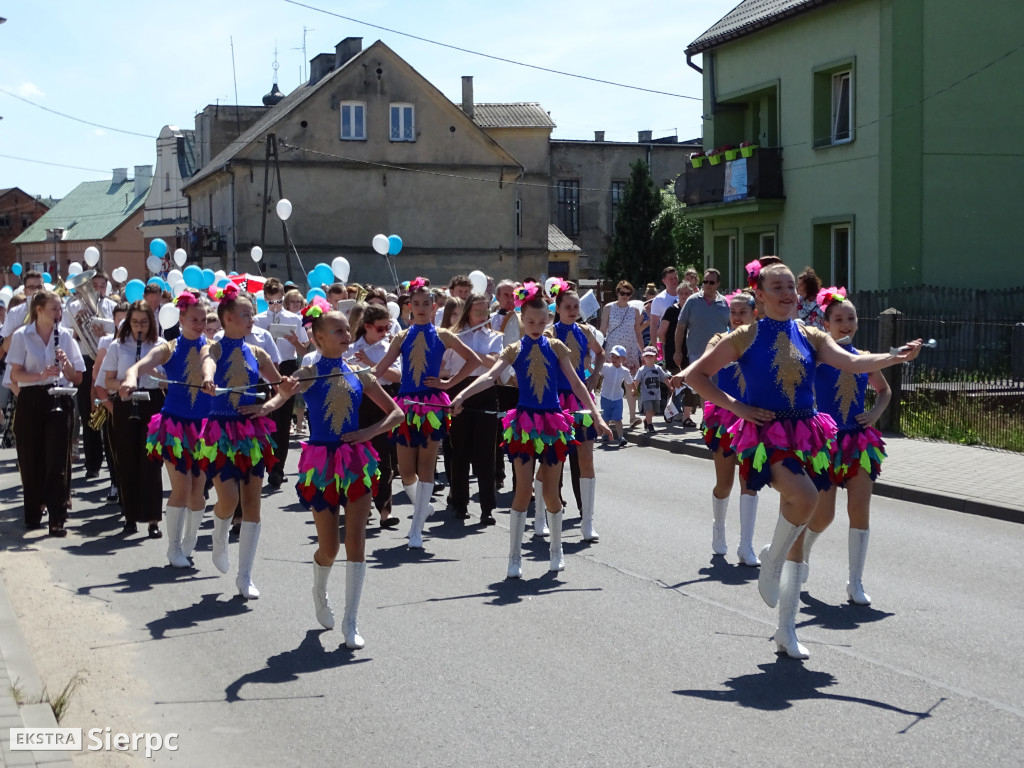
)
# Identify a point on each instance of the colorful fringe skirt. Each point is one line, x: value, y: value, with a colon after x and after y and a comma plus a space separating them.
x: 332, y: 475
x: 545, y: 436
x: 714, y: 428
x: 237, y: 448
x: 423, y: 423
x: 857, y: 449
x: 583, y: 423
x: 803, y: 443
x: 174, y: 439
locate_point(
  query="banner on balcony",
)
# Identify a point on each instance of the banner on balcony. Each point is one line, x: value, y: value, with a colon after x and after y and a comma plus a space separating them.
x: 735, y: 180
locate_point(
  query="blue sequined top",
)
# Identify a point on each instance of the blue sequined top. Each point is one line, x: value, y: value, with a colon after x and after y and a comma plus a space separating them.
x: 185, y: 365
x: 841, y: 394
x: 333, y: 404
x: 236, y: 367
x: 535, y: 362
x: 422, y: 349
x: 575, y: 339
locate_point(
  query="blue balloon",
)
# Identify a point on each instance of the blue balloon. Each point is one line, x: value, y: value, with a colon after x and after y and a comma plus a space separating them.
x: 314, y: 292
x: 232, y: 273
x: 208, y: 277
x: 134, y: 290
x: 193, y: 276
x: 156, y: 280
x: 46, y: 278
x: 394, y: 245
x: 222, y: 282
x: 261, y: 305
x: 325, y: 274
x: 158, y: 248
x: 16, y: 269
x: 311, y: 279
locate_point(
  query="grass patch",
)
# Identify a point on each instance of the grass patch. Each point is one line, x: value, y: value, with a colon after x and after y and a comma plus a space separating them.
x: 59, y: 702
x: 993, y: 421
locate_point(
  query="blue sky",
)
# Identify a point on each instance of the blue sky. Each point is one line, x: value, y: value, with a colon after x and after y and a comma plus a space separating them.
x: 141, y: 65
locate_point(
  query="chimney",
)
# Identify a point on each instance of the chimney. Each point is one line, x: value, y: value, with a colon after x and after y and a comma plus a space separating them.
x: 143, y: 179
x: 320, y: 66
x: 120, y: 175
x: 644, y: 137
x: 598, y: 135
x: 346, y: 49
x: 467, y: 95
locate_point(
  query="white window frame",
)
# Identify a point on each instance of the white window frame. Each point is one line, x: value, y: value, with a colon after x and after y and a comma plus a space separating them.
x: 836, y: 278
x: 358, y: 131
x: 761, y: 241
x: 405, y: 132
x: 838, y: 79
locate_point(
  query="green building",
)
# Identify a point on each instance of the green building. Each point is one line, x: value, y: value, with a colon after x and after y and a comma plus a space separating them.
x: 887, y: 136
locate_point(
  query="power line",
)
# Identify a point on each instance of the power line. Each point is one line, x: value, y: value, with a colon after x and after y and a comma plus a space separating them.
x: 76, y: 119
x: 491, y: 56
x: 58, y: 165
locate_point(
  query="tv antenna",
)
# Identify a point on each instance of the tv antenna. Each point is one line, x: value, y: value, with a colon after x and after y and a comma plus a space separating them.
x: 305, y: 58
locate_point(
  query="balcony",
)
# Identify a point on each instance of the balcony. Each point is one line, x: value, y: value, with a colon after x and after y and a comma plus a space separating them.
x: 747, y: 185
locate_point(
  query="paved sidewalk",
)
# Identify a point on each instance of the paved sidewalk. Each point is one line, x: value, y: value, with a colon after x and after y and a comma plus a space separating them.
x: 964, y: 478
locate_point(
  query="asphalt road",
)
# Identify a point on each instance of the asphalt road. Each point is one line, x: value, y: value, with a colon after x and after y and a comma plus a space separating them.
x: 645, y: 651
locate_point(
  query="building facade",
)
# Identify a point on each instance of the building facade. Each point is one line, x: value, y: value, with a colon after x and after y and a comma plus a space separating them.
x: 18, y: 211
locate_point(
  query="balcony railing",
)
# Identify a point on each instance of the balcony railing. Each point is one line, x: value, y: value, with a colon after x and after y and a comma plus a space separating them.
x: 746, y: 178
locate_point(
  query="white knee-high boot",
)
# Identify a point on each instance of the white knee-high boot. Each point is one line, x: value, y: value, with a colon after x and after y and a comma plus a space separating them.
x: 588, y: 489
x: 221, y: 529
x: 410, y: 491
x: 540, y: 524
x: 355, y: 573
x: 858, y: 546
x: 719, y: 508
x: 555, y: 524
x: 175, y: 525
x: 809, y: 538
x: 748, y: 517
x: 789, y: 602
x: 772, y: 558
x: 248, y: 540
x: 321, y: 601
x: 516, y: 526
x: 193, y: 519
x: 420, y: 511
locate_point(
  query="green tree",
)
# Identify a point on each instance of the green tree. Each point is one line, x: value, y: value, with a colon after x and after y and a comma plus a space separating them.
x: 643, y: 244
x: 687, y: 233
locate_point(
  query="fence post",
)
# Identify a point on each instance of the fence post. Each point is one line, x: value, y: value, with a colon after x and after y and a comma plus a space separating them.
x: 1017, y: 352
x: 890, y: 334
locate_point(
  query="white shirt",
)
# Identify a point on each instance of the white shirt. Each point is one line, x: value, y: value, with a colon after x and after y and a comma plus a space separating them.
x: 14, y: 320
x: 375, y: 352
x: 660, y: 305
x: 283, y: 317
x: 497, y: 319
x: 121, y: 356
x: 614, y: 378
x: 28, y: 351
x: 483, y: 341
x: 310, y: 358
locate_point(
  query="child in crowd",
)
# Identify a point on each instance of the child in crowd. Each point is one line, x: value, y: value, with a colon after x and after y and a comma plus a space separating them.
x: 613, y: 387
x: 648, y: 386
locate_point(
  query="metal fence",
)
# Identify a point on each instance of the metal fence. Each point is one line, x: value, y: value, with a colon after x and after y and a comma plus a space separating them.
x: 970, y: 387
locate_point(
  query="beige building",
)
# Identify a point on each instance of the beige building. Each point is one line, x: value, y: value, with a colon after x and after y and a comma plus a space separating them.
x: 369, y: 146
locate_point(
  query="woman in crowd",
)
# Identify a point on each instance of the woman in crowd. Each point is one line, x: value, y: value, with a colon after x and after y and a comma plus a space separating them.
x: 140, y: 480
x: 807, y: 286
x: 537, y: 431
x: 620, y: 325
x: 779, y: 436
x: 43, y: 355
x: 103, y: 399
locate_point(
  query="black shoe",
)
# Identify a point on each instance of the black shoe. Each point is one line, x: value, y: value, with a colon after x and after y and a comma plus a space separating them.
x: 91, y: 474
x: 130, y: 527
x: 112, y: 494
x: 438, y: 487
x: 389, y: 522
x: 236, y: 528
x: 155, y: 532
x: 461, y: 512
x: 689, y: 424
x: 275, y: 481
x: 58, y: 531
x: 486, y: 518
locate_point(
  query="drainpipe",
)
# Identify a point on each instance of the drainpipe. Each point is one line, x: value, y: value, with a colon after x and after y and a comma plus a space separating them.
x: 691, y: 65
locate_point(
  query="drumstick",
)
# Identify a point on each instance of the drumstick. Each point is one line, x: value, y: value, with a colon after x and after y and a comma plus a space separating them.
x: 931, y: 344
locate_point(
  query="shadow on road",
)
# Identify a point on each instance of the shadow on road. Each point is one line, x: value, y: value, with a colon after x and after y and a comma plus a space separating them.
x: 783, y: 682
x: 145, y: 579
x: 209, y: 608
x: 393, y: 557
x: 723, y: 572
x: 843, y: 616
x: 285, y: 667
x: 509, y: 591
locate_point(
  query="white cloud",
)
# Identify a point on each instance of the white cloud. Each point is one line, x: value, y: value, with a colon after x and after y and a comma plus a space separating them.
x: 29, y: 91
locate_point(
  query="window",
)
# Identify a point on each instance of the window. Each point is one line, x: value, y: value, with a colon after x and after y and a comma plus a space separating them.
x: 5, y: 220
x: 353, y: 121
x: 842, y: 108
x: 618, y: 191
x: 834, y: 104
x: 569, y: 207
x: 402, y: 123
x: 842, y: 256
x: 558, y: 269
x: 767, y: 244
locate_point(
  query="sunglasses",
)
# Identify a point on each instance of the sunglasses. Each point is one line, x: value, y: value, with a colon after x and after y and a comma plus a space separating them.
x: 710, y: 282
x: 272, y: 302
x: 382, y: 329
x: 625, y: 293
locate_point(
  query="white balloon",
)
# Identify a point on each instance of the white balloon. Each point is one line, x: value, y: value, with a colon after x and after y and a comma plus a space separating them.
x: 284, y: 209
x: 92, y: 255
x: 168, y: 316
x: 341, y: 268
x: 174, y: 276
x: 259, y: 295
x: 153, y: 263
x: 6, y: 292
x: 220, y: 274
x: 74, y: 268
x: 256, y: 253
x: 599, y: 336
x: 479, y: 281
x: 177, y: 288
x: 180, y: 257
x: 120, y: 274
x: 381, y: 244
x: 394, y: 310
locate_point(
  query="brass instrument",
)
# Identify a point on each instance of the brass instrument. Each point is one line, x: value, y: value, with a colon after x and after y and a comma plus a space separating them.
x: 361, y: 294
x: 88, y: 312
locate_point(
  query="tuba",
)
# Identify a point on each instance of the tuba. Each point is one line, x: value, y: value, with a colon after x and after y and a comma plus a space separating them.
x: 88, y: 311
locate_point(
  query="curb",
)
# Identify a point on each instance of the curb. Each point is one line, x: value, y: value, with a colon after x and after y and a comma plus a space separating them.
x: 964, y: 504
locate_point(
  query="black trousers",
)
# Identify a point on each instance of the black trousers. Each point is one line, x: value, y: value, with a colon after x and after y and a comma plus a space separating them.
x: 508, y: 398
x: 92, y: 441
x: 370, y: 414
x: 140, y: 480
x: 283, y: 421
x: 43, y: 443
x: 472, y: 435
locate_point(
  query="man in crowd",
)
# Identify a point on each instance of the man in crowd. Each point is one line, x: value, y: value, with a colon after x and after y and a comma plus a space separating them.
x: 663, y: 300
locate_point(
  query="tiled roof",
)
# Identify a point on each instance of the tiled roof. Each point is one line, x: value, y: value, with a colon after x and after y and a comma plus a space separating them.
x: 558, y: 242
x: 527, y: 114
x: 748, y: 17
x: 91, y: 211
